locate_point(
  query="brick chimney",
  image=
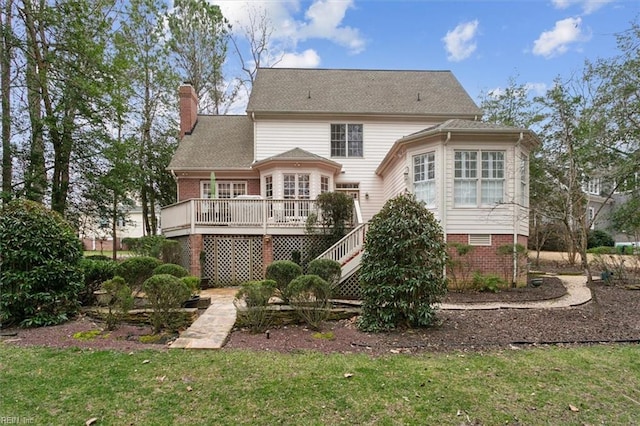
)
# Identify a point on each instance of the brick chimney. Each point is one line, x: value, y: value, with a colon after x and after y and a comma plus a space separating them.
x: 188, y: 108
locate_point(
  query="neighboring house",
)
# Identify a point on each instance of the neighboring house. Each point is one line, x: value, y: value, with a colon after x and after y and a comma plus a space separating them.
x: 371, y: 134
x: 601, y: 202
x: 95, y: 233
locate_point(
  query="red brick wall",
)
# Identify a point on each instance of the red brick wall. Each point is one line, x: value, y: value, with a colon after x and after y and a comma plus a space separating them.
x: 253, y: 187
x: 487, y: 260
x: 188, y: 188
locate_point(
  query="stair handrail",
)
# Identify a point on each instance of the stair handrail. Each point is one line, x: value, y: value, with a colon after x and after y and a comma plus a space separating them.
x: 348, y: 246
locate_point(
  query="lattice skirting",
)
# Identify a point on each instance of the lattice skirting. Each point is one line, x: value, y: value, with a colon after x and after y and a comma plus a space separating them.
x: 349, y: 288
x: 232, y: 260
x: 309, y: 246
x: 185, y: 252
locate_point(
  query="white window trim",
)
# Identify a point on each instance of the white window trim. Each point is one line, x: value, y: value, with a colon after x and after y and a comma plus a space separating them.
x: 346, y: 140
x: 432, y: 181
x: 204, y: 183
x: 479, y: 179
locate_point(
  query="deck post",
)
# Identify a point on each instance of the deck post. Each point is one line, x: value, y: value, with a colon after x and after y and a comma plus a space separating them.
x: 267, y: 252
x: 196, y: 244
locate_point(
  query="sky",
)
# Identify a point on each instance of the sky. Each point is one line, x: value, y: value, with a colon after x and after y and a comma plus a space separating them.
x: 484, y: 43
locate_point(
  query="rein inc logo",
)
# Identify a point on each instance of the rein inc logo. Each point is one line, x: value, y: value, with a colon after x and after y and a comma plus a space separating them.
x: 16, y: 420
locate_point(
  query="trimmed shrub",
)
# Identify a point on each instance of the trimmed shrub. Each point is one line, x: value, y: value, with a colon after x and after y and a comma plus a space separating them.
x: 309, y: 297
x: 282, y: 272
x: 165, y: 293
x: 603, y: 250
x: 40, y: 275
x: 95, y: 273
x: 599, y: 238
x: 171, y: 269
x: 255, y: 295
x: 135, y: 270
x: 327, y: 269
x: 156, y: 246
x: 121, y: 300
x: 192, y: 282
x: 402, y: 270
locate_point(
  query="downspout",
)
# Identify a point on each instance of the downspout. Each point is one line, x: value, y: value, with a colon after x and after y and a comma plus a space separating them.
x: 516, y: 209
x: 443, y: 188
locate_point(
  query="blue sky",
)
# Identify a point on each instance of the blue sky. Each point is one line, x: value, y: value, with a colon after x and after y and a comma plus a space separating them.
x: 483, y: 43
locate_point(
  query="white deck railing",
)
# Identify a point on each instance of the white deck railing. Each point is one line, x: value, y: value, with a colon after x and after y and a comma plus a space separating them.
x: 348, y: 247
x: 237, y: 213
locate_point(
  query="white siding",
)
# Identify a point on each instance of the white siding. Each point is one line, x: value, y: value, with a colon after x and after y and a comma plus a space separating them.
x: 497, y: 219
x: 276, y: 136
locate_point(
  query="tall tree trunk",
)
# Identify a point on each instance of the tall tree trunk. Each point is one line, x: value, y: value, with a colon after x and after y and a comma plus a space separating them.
x: 114, y: 226
x: 5, y: 78
x: 35, y: 175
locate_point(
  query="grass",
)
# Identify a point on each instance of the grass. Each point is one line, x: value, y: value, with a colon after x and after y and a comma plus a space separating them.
x: 533, y: 386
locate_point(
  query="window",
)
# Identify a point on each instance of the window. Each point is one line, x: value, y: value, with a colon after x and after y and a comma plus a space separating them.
x: 268, y: 186
x: 592, y: 186
x: 324, y: 184
x: 524, y: 180
x: 225, y: 189
x: 471, y: 189
x: 346, y: 140
x: 424, y: 178
x: 591, y: 216
x: 296, y: 187
x: 205, y: 189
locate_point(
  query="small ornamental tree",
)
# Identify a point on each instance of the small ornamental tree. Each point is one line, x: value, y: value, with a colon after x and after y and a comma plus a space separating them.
x: 40, y: 273
x: 402, y: 270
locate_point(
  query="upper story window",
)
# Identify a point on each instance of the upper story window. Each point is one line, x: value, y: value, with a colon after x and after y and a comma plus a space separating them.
x: 224, y: 189
x: 471, y: 188
x: 593, y: 186
x: 424, y: 178
x: 346, y: 140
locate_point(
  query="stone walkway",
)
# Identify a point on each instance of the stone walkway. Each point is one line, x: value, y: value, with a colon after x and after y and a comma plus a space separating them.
x: 211, y: 329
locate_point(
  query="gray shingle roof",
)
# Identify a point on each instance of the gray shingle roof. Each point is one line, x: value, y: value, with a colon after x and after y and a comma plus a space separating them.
x: 298, y: 154
x: 218, y: 141
x: 435, y: 93
x: 458, y: 125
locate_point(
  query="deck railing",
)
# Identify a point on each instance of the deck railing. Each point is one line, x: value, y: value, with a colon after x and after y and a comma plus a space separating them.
x: 348, y: 247
x: 237, y: 213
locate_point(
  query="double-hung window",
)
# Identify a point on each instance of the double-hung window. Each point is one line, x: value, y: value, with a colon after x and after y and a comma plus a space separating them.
x: 231, y: 189
x: 424, y: 178
x: 346, y: 140
x: 478, y: 178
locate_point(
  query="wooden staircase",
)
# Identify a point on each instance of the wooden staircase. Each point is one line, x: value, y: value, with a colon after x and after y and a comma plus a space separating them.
x: 348, y: 251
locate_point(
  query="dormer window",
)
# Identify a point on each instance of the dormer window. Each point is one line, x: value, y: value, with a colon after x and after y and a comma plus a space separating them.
x: 346, y: 140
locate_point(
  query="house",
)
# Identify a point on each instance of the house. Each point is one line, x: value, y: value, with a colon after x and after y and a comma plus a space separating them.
x: 371, y: 134
x: 96, y: 232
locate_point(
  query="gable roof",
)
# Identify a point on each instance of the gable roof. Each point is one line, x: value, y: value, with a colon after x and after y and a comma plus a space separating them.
x: 216, y: 142
x: 335, y: 91
x: 297, y: 155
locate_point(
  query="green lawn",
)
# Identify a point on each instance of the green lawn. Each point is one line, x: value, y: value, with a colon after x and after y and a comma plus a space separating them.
x: 586, y: 385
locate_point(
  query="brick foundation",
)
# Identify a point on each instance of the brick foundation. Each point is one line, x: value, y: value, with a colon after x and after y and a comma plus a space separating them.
x: 196, y: 243
x: 487, y: 259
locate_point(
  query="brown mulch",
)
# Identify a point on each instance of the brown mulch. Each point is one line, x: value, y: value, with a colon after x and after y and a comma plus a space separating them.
x: 611, y: 316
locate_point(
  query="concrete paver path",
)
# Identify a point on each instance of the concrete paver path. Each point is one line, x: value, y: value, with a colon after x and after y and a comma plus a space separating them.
x: 211, y: 329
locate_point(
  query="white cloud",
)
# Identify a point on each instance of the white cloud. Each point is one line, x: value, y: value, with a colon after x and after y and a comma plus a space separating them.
x: 323, y: 19
x: 557, y: 41
x: 588, y: 6
x: 460, y: 42
x: 307, y: 59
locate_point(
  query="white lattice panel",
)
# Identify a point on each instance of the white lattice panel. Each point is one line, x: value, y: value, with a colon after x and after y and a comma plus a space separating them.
x: 185, y: 252
x: 349, y: 288
x: 231, y: 260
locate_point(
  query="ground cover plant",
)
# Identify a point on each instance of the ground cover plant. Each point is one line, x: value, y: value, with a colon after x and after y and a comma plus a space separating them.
x: 551, y: 385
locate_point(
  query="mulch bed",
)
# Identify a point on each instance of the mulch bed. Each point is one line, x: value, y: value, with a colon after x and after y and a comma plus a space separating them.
x: 612, y: 316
